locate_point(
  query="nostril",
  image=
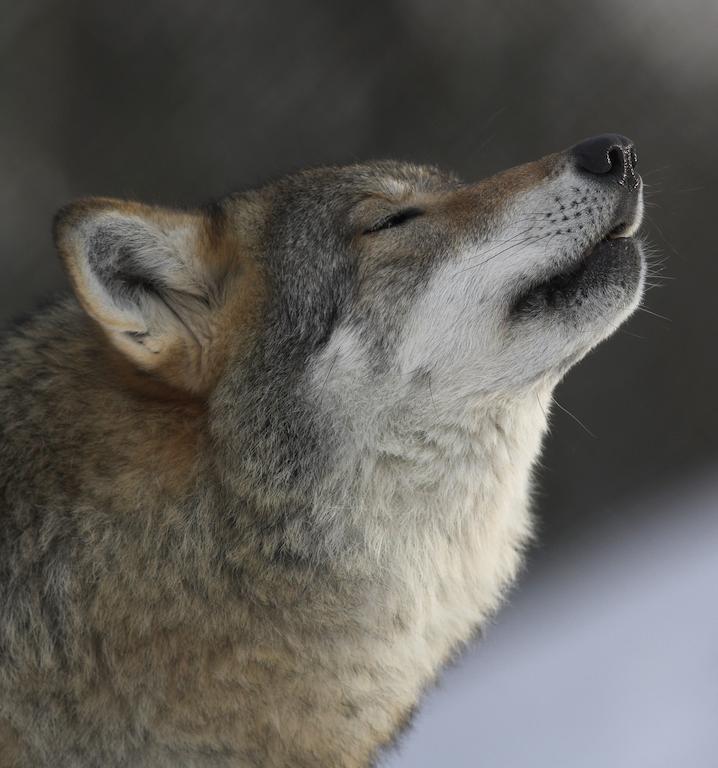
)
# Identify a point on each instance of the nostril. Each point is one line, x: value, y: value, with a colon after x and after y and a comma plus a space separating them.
x: 609, y: 154
x: 616, y: 160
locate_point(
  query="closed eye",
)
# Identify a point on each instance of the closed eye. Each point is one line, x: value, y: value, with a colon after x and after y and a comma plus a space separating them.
x: 395, y: 220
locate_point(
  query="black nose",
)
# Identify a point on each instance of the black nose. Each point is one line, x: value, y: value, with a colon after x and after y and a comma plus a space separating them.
x: 610, y: 155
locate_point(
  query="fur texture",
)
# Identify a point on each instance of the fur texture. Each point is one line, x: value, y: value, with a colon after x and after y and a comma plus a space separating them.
x: 270, y: 469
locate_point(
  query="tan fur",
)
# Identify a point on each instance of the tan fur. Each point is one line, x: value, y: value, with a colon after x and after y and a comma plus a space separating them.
x: 225, y: 257
x: 270, y: 471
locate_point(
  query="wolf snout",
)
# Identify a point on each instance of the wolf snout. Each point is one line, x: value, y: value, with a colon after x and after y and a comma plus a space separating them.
x: 610, y: 156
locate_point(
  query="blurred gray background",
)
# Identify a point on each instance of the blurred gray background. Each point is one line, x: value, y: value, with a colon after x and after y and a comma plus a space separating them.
x: 178, y: 102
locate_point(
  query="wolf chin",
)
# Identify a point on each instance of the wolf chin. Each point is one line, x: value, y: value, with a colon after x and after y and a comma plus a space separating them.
x: 269, y: 468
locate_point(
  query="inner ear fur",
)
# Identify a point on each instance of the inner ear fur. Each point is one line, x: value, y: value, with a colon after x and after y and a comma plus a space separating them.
x: 159, y: 283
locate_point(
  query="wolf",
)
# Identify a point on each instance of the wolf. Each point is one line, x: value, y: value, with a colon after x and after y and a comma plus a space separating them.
x: 269, y: 468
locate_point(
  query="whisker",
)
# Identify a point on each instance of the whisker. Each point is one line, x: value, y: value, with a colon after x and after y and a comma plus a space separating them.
x: 655, y: 314
x: 653, y: 171
x: 575, y: 418
x: 662, y: 234
x: 329, y: 373
x: 632, y: 334
x: 527, y: 241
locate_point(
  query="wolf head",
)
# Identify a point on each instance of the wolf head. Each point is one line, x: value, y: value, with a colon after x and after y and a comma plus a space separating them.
x: 332, y: 301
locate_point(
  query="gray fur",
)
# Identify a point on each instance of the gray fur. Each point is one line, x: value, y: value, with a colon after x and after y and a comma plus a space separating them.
x: 267, y: 568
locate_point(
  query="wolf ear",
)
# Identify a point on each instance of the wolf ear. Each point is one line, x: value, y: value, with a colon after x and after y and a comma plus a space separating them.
x: 149, y: 277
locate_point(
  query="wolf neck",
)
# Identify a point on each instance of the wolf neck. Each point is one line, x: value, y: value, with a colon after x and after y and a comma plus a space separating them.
x: 428, y: 495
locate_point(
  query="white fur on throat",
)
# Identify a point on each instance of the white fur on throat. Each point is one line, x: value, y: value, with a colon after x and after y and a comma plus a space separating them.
x: 432, y: 498
x: 437, y: 512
